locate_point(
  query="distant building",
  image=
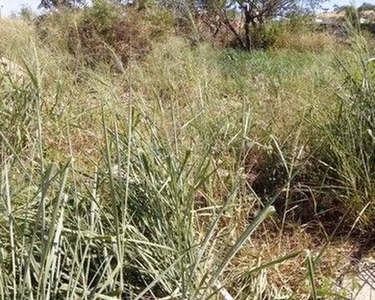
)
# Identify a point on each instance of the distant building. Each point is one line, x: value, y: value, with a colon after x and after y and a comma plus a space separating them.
x: 332, y: 19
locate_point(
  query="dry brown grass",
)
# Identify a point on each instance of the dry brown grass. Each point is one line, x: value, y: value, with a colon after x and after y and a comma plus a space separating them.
x: 316, y: 42
x: 290, y: 276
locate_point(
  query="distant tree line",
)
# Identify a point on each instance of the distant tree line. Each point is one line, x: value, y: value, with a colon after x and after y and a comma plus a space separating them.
x: 255, y: 13
x: 364, y: 7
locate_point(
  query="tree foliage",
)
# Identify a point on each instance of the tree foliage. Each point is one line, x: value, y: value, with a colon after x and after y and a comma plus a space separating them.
x: 48, y: 4
x: 366, y: 7
x: 255, y: 13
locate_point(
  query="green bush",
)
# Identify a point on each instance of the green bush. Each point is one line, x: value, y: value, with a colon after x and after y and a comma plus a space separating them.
x: 102, y: 16
x: 266, y: 35
x: 273, y: 33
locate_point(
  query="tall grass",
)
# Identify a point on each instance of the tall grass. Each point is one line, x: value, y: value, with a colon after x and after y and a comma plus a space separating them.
x: 348, y: 137
x: 138, y: 183
x: 130, y: 229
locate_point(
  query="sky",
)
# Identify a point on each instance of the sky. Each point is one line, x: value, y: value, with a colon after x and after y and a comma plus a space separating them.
x: 9, y: 6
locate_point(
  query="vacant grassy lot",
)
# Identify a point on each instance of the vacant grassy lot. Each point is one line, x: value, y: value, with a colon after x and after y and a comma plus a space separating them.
x: 189, y: 172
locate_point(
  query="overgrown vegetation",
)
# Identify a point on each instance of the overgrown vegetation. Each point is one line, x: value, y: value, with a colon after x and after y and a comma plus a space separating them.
x: 144, y: 157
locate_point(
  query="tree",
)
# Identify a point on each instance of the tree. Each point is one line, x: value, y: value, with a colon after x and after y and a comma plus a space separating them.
x: 337, y: 8
x: 366, y: 7
x: 255, y: 13
x: 60, y: 4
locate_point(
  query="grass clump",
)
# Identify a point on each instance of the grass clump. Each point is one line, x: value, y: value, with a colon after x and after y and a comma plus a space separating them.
x: 348, y: 138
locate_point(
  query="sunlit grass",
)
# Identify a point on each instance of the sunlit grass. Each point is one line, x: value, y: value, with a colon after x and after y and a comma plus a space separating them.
x: 160, y: 180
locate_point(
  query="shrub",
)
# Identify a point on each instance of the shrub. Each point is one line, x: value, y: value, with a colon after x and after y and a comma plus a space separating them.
x: 95, y: 34
x: 93, y: 31
x: 266, y: 35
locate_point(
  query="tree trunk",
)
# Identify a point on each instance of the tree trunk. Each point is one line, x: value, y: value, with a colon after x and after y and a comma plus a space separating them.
x: 247, y: 23
x: 231, y: 28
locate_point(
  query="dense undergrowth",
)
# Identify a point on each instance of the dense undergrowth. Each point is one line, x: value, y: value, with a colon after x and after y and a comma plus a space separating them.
x: 136, y: 164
